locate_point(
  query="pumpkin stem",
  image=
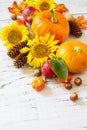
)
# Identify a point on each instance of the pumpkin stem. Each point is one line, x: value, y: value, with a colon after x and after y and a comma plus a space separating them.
x: 53, y: 19
x: 77, y: 48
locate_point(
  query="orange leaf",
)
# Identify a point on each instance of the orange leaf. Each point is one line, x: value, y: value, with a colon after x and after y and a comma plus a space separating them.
x: 61, y: 8
x: 81, y: 22
x: 17, y: 9
x: 14, y: 11
x: 14, y: 4
x: 22, y: 5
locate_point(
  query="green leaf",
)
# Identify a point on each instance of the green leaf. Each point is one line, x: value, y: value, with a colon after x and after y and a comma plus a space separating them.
x: 59, y: 68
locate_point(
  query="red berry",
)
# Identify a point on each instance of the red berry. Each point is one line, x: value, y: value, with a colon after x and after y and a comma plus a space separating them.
x: 69, y: 78
x: 21, y: 22
x: 14, y: 17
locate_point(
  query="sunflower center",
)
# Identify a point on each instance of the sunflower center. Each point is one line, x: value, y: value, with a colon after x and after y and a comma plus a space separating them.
x: 14, y: 37
x: 44, y: 6
x: 40, y: 51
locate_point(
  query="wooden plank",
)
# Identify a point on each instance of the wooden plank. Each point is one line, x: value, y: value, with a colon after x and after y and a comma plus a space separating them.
x: 21, y: 107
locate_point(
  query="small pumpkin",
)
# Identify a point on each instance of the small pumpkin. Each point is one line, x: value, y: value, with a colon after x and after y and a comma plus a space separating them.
x: 51, y: 22
x: 74, y: 53
x: 38, y: 84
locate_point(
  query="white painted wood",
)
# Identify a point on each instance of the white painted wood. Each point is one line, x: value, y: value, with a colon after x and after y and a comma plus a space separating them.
x: 22, y: 108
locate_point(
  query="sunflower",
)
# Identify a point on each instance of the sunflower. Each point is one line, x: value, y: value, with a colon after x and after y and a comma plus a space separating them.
x: 40, y: 50
x: 30, y: 2
x: 42, y: 5
x: 13, y: 34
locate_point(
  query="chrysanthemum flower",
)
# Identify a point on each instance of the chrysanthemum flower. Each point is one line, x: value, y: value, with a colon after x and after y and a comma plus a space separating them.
x: 13, y: 34
x: 40, y: 50
x: 42, y: 5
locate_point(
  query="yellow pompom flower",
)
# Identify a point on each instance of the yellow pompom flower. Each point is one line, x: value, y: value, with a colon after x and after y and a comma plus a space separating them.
x: 40, y: 49
x: 42, y: 5
x: 13, y: 34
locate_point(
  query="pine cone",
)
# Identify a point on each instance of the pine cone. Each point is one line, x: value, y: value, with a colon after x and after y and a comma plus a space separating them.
x: 20, y: 60
x: 18, y: 64
x: 74, y: 29
x: 14, y: 51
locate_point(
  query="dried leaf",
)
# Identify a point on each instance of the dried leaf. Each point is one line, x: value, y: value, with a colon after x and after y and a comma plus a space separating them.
x: 22, y: 5
x: 61, y: 8
x: 17, y: 9
x: 81, y: 22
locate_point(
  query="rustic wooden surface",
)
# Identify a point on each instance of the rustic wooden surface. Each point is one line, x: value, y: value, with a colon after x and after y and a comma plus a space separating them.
x: 22, y: 108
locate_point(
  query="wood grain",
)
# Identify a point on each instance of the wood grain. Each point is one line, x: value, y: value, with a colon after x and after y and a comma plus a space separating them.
x: 22, y: 108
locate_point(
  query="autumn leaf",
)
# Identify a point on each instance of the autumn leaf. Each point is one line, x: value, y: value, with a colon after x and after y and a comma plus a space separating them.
x: 61, y: 8
x: 22, y: 5
x: 81, y: 22
x: 17, y: 9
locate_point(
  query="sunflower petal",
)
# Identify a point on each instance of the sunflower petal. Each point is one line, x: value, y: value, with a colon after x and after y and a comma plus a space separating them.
x: 52, y: 56
x: 51, y: 39
x: 44, y: 40
x: 25, y: 49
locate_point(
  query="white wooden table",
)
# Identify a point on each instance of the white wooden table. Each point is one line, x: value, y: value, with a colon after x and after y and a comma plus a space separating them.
x: 22, y: 108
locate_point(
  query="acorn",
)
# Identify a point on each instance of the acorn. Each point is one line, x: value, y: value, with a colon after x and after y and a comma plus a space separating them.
x: 78, y: 81
x: 14, y: 17
x: 74, y: 96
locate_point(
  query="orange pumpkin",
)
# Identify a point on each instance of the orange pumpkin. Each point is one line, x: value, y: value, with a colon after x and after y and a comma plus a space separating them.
x: 74, y: 53
x: 38, y: 84
x: 43, y: 24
